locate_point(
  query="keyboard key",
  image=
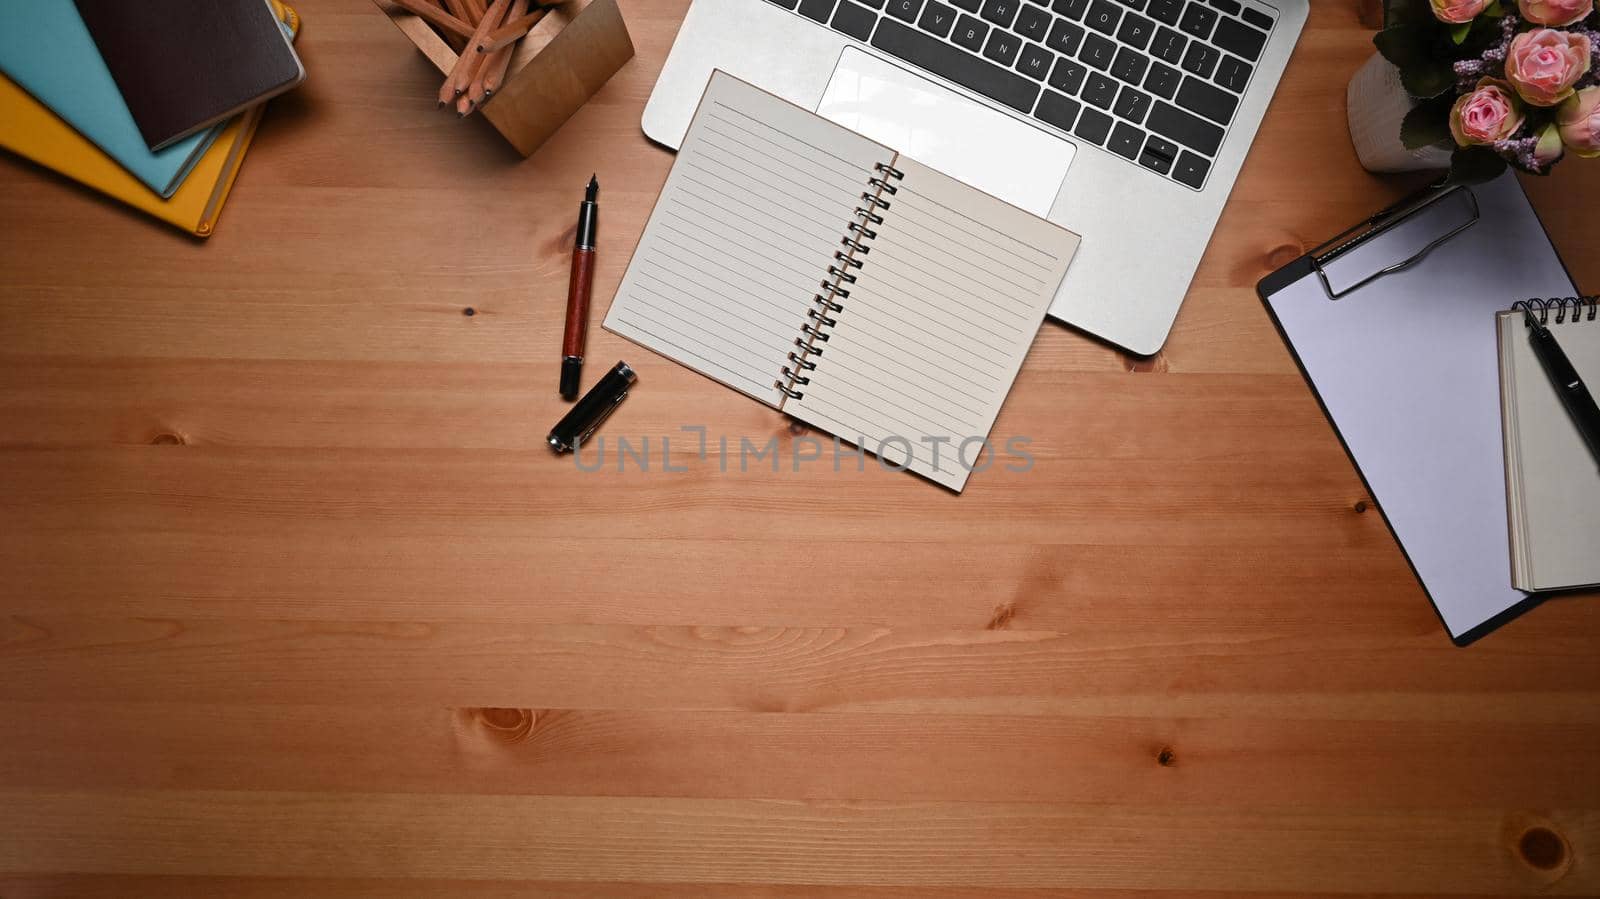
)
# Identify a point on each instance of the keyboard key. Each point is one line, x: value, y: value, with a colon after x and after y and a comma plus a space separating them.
x: 1233, y: 74
x: 937, y: 19
x: 944, y: 60
x: 1000, y: 12
x: 1197, y: 21
x: 1240, y: 39
x: 1168, y: 45
x: 1064, y: 37
x: 1258, y: 18
x: 1231, y: 7
x: 902, y: 9
x: 1057, y: 110
x: 1100, y: 91
x: 969, y: 5
x: 1158, y: 154
x: 1187, y: 129
x: 1136, y: 31
x: 1191, y: 170
x: 1129, y: 65
x: 786, y: 4
x: 1035, y: 62
x: 1103, y: 16
x: 1002, y: 47
x: 819, y: 9
x: 1067, y: 76
x: 1073, y: 9
x: 1133, y: 4
x: 970, y: 33
x: 1163, y: 81
x: 1131, y: 105
x: 1093, y: 126
x: 1033, y: 23
x: 1201, y: 59
x: 1167, y: 11
x: 854, y: 20
x: 1098, y: 52
x: 1126, y: 140
x: 1214, y: 103
x: 875, y: 4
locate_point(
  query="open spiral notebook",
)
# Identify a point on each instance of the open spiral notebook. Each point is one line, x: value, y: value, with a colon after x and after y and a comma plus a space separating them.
x: 828, y: 276
x: 1552, y: 481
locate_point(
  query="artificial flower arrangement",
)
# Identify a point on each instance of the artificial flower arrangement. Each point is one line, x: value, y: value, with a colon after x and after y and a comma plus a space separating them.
x: 1498, y: 81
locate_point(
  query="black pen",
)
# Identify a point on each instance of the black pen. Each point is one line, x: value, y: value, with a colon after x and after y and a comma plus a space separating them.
x: 1576, y: 397
x: 587, y: 414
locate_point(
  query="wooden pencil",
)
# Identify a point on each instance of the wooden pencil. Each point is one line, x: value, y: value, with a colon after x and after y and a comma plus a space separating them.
x: 495, y: 70
x: 435, y: 16
x: 515, y: 29
x: 466, y: 64
x: 493, y: 65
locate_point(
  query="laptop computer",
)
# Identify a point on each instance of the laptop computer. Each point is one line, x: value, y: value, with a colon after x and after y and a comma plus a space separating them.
x: 1125, y: 121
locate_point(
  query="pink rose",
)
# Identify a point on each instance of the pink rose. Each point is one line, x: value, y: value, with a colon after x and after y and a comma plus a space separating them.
x: 1544, y: 64
x: 1548, y: 149
x: 1491, y: 112
x: 1458, y: 11
x: 1579, y: 121
x: 1556, y: 13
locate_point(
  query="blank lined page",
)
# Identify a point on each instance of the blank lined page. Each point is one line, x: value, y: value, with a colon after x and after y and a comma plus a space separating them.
x: 949, y: 297
x: 742, y: 235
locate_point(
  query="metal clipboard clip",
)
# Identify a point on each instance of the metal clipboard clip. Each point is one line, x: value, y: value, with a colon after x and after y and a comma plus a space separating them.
x: 1390, y: 218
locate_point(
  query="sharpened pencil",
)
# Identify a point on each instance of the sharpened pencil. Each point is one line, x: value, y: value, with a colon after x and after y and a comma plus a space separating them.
x: 466, y: 64
x: 493, y: 64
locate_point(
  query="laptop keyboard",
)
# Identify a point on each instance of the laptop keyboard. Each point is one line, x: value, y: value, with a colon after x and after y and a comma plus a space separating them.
x: 1154, y: 81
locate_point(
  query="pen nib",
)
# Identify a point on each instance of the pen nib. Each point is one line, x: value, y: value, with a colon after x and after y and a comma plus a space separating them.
x: 594, y: 190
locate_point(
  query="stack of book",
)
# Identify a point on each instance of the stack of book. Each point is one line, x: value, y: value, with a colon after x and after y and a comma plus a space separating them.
x: 152, y: 102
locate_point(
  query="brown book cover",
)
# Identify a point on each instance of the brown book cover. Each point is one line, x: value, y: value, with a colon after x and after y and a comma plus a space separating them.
x: 182, y: 66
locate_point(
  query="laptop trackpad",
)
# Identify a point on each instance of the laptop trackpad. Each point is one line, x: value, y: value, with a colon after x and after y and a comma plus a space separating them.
x: 938, y: 127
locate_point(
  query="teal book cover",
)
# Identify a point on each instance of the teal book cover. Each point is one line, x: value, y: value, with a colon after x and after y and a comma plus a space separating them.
x: 46, y: 49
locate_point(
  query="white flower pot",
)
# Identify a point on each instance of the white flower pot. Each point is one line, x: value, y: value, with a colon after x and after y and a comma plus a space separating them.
x: 1377, y: 103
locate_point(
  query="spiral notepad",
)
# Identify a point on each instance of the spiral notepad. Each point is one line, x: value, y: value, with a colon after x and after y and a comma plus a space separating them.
x: 1552, y: 480
x: 830, y: 277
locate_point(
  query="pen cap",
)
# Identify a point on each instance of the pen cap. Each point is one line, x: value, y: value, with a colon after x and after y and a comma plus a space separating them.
x: 588, y: 413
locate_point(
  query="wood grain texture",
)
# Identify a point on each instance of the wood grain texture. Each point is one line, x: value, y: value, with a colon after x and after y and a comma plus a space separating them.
x: 294, y: 602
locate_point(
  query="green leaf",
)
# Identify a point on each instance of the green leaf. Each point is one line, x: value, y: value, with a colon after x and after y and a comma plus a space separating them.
x: 1428, y: 124
x: 1458, y: 33
x: 1494, y: 11
x: 1402, y: 45
x: 1475, y: 165
x: 1426, y: 80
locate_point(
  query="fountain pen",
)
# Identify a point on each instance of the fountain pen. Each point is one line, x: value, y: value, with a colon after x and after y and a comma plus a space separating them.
x: 579, y: 287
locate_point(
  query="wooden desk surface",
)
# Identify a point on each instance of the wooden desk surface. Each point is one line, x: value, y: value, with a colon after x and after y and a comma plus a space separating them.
x: 293, y: 589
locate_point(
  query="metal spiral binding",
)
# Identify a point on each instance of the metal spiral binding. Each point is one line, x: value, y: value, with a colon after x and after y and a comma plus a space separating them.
x: 825, y: 306
x: 1561, y: 307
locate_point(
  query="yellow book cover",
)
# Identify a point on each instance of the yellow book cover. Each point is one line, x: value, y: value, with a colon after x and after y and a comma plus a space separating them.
x: 28, y: 128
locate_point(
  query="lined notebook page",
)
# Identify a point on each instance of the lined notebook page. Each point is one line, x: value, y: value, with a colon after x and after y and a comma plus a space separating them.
x: 742, y: 235
x: 949, y: 297
x: 1551, y: 478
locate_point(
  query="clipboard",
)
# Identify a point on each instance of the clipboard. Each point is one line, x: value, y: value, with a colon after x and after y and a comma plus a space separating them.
x: 1392, y: 323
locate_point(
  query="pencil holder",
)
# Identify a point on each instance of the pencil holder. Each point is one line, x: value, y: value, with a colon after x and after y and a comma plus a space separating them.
x: 554, y: 70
